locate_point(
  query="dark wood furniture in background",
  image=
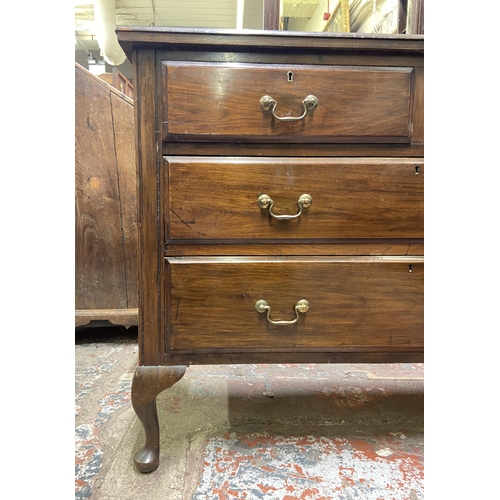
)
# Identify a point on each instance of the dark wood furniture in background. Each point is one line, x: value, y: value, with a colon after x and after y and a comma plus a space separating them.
x: 105, y: 203
x: 415, y: 14
x: 122, y: 83
x: 271, y: 15
x: 280, y: 202
x: 119, y: 81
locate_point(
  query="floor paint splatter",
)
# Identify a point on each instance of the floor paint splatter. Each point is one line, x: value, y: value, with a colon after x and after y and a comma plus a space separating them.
x: 102, y: 360
x: 263, y: 466
x: 277, y: 432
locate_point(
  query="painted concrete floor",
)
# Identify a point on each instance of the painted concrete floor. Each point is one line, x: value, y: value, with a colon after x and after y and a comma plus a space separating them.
x: 284, y: 432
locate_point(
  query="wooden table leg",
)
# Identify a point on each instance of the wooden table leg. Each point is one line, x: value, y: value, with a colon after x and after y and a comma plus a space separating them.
x: 148, y: 382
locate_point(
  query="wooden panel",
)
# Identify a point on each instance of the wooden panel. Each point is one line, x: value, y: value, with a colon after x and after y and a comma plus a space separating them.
x: 125, y: 317
x: 106, y: 77
x: 150, y: 343
x: 122, y: 83
x: 100, y: 277
x: 415, y: 22
x: 207, y: 101
x: 239, y: 149
x: 124, y: 140
x: 355, y: 302
x: 418, y: 106
x: 336, y: 57
x: 272, y: 356
x: 162, y: 37
x: 216, y: 198
x: 358, y: 247
x: 271, y: 15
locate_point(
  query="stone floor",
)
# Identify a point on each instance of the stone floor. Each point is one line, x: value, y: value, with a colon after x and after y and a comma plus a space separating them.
x: 304, y: 431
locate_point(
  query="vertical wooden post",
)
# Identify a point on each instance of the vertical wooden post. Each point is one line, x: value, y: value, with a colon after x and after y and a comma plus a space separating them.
x: 415, y: 22
x: 271, y: 14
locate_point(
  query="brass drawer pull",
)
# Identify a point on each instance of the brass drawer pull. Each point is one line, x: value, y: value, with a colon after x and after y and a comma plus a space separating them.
x: 268, y: 103
x: 301, y: 306
x: 264, y: 201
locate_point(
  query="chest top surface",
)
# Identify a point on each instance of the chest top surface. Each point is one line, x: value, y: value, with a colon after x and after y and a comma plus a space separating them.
x: 147, y: 38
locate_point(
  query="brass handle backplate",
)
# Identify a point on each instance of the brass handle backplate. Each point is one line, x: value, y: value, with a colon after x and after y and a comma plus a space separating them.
x: 268, y: 103
x: 265, y: 202
x: 302, y: 306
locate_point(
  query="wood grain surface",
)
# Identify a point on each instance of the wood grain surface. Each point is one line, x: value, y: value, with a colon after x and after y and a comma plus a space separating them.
x: 414, y: 150
x: 345, y: 247
x: 361, y: 268
x: 105, y: 200
x: 163, y: 37
x: 356, y: 103
x: 216, y: 198
x: 354, y: 302
x: 150, y: 254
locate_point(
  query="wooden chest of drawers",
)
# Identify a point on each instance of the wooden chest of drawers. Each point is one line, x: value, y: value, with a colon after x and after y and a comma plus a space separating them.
x: 280, y: 192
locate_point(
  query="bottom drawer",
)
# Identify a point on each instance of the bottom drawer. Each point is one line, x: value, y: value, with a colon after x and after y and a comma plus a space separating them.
x: 354, y: 303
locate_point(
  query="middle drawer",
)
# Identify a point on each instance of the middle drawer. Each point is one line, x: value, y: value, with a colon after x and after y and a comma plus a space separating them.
x: 293, y: 198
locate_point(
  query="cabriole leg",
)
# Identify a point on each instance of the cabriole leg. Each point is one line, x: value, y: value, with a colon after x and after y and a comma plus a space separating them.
x: 148, y: 382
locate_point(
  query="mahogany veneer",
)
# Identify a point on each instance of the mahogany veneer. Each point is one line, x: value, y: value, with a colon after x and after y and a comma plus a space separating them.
x: 330, y: 270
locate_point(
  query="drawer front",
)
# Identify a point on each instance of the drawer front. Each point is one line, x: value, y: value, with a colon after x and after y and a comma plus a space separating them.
x: 218, y: 198
x: 354, y: 303
x: 211, y: 101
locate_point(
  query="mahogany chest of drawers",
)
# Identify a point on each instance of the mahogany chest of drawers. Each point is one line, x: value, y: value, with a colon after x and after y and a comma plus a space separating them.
x: 280, y: 202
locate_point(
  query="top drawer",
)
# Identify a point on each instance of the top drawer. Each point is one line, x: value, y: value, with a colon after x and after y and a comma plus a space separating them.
x: 222, y: 101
